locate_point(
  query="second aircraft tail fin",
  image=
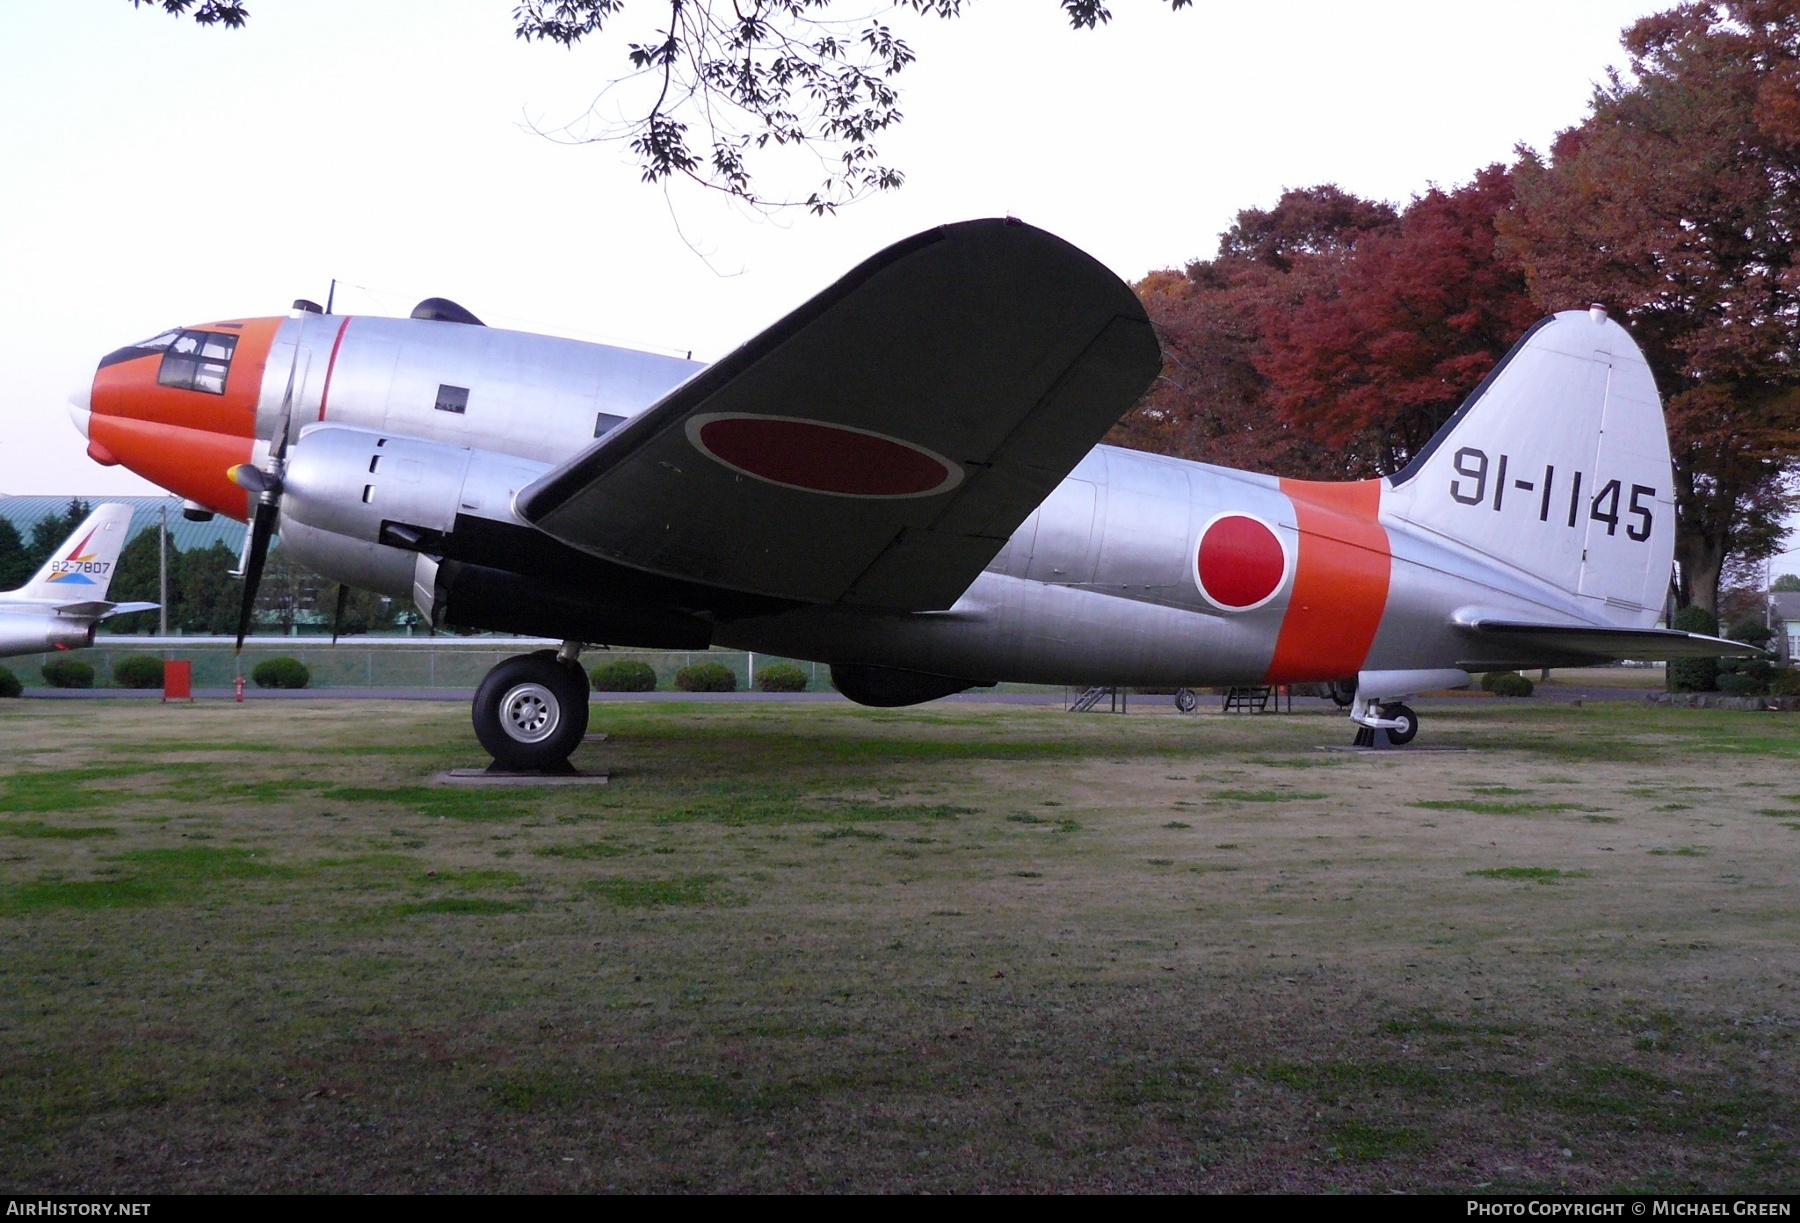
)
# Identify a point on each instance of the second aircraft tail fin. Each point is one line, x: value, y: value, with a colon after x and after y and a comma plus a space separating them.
x: 81, y: 569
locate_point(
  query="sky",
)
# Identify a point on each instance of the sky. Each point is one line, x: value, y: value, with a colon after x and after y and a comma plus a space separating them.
x: 153, y: 172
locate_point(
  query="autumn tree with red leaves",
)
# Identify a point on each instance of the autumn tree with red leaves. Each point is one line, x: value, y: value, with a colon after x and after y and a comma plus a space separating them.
x: 1677, y: 205
x: 1212, y: 401
x: 1332, y: 336
x: 1385, y: 340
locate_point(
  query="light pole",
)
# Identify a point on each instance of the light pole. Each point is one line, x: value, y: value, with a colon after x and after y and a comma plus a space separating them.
x: 162, y: 571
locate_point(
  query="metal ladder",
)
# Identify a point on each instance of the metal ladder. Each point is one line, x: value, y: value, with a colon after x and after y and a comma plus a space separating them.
x: 1093, y: 696
x: 1248, y: 699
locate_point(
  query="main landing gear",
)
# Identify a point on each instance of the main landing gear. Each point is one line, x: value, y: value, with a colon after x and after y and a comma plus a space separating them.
x: 531, y: 711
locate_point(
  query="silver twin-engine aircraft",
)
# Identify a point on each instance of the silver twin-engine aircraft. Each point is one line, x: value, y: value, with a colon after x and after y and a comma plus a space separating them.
x: 901, y: 479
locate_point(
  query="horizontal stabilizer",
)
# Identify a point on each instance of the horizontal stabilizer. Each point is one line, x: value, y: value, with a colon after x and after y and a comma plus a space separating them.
x: 1524, y: 643
x: 100, y: 609
x: 91, y: 610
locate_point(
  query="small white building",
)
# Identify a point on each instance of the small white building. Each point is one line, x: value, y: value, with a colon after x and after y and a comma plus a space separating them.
x: 1784, y: 618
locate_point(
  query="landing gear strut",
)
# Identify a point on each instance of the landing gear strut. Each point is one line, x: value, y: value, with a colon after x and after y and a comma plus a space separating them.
x: 531, y: 711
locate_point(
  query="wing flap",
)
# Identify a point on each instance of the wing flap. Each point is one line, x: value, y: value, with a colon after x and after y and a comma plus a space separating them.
x: 990, y: 354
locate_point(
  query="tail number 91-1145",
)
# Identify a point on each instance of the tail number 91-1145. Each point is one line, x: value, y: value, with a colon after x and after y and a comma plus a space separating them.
x: 1472, y: 486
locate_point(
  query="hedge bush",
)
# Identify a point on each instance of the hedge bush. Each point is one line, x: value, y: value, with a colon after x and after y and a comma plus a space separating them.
x: 1736, y: 683
x: 138, y: 671
x: 1507, y: 683
x: 781, y: 677
x: 1785, y: 682
x: 9, y: 684
x: 624, y: 675
x: 1694, y: 674
x: 281, y: 672
x: 68, y: 673
x: 706, y: 677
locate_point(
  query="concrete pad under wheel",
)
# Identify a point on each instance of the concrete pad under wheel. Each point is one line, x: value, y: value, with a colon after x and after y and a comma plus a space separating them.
x: 1389, y: 750
x: 507, y: 777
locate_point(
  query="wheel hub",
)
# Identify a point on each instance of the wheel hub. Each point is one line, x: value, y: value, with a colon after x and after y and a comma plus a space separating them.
x: 530, y: 713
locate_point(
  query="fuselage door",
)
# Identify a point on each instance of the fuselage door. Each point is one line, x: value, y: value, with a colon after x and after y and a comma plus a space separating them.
x: 1062, y: 552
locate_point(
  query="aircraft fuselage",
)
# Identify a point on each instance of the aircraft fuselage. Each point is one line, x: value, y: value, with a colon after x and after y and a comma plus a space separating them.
x: 1104, y: 583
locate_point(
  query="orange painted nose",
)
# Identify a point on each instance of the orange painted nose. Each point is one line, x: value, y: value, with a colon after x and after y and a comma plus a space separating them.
x: 180, y: 408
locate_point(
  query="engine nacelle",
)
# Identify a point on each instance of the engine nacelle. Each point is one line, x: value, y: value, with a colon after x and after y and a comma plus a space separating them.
x: 355, y: 562
x: 379, y: 511
x: 402, y: 492
x: 37, y: 632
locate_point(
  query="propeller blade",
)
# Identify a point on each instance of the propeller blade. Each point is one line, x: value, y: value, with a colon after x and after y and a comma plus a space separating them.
x: 278, y: 444
x: 266, y: 483
x: 262, y: 526
x: 337, y: 618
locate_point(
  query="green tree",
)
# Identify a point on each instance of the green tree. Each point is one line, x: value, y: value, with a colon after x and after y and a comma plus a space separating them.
x: 1694, y: 674
x: 136, y: 580
x: 1786, y: 581
x: 364, y: 611
x: 15, y: 561
x: 209, y: 594
x: 49, y: 532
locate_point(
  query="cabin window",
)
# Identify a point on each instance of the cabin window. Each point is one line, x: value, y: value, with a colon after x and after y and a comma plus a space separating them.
x: 452, y: 399
x: 196, y: 361
x: 605, y: 423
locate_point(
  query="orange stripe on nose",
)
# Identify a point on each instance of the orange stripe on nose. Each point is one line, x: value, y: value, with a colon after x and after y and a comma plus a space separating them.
x: 1340, y: 582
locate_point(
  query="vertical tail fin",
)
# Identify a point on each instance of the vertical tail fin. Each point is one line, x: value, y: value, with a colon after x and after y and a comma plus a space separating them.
x: 81, y: 568
x: 1558, y: 465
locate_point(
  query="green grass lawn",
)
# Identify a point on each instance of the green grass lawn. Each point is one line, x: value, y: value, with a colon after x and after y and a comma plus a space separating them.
x: 960, y: 947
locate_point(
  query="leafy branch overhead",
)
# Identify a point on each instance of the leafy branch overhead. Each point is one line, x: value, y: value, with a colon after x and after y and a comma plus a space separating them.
x: 716, y: 86
x: 229, y: 13
x: 730, y: 81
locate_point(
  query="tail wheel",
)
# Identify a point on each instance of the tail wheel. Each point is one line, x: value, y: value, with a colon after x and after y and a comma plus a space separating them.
x: 530, y: 712
x: 1409, y: 720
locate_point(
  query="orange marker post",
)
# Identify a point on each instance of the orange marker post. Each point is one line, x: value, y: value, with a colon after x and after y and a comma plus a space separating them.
x: 178, y: 680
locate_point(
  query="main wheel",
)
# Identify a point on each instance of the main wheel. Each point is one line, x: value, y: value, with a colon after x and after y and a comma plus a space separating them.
x: 1402, y: 734
x: 531, y: 711
x: 1343, y: 692
x: 1186, y: 701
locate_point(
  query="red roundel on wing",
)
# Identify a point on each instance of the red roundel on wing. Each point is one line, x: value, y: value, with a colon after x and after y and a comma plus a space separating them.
x: 823, y: 458
x: 1240, y: 562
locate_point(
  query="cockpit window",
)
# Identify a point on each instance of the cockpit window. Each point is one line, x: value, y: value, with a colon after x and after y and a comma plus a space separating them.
x: 157, y: 343
x: 195, y: 360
